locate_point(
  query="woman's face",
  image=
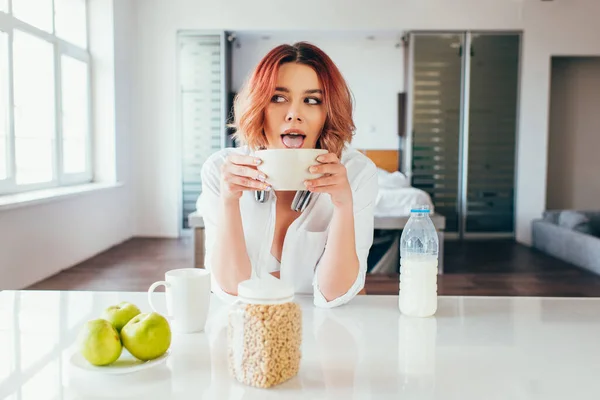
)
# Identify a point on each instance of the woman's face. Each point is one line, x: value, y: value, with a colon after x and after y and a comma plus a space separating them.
x: 296, y: 114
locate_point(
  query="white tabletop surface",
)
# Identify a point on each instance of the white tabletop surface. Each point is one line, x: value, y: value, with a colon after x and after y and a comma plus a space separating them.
x: 474, y: 348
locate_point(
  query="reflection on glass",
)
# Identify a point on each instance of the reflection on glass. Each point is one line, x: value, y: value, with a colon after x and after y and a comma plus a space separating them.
x: 6, y: 349
x: 35, y: 12
x: 79, y: 306
x: 35, y: 346
x: 7, y: 313
x: 437, y: 88
x: 38, y: 326
x: 71, y: 24
x: 200, y: 98
x: 3, y: 103
x: 3, y: 158
x: 34, y: 108
x: 417, y: 338
x: 43, y: 385
x: 338, y: 354
x: 492, y: 132
x: 75, y: 114
x: 220, y: 387
x: 39, y: 314
x: 183, y: 361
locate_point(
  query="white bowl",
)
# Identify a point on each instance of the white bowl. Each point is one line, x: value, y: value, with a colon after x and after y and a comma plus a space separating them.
x: 124, y: 365
x: 287, y: 169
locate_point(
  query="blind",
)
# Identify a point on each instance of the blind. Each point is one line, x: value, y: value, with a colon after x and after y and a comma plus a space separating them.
x: 492, y: 126
x: 202, y: 117
x: 436, y: 113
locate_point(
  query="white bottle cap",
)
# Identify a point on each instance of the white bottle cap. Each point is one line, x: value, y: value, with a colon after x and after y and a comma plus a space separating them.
x: 266, y: 290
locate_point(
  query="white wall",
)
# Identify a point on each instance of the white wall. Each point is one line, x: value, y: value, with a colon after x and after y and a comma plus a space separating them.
x: 574, y: 141
x: 550, y: 28
x: 373, y: 69
x: 39, y: 240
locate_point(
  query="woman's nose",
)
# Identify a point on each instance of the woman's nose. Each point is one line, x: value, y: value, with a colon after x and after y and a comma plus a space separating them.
x: 293, y: 115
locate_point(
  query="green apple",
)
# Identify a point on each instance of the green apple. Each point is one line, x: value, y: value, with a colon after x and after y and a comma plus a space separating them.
x: 99, y: 342
x: 120, y: 314
x: 147, y: 336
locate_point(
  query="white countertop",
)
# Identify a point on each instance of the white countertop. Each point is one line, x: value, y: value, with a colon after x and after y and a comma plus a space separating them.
x: 475, y: 348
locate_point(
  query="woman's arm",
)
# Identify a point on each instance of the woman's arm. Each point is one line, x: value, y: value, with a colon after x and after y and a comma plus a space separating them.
x: 230, y: 261
x: 226, y: 252
x: 339, y: 264
x: 351, y: 228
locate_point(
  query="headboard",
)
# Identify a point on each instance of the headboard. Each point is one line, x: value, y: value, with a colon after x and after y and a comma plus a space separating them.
x: 384, y: 159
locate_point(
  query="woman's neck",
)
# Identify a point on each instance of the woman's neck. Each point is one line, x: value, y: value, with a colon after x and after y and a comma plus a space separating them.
x: 285, y: 196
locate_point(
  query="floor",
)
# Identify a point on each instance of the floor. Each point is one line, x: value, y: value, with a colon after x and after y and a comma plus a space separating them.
x: 486, y: 268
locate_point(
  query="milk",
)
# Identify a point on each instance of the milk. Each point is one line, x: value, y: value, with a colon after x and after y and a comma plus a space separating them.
x: 418, y: 285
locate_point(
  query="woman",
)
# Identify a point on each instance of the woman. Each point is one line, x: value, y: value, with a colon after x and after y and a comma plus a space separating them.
x: 295, y: 98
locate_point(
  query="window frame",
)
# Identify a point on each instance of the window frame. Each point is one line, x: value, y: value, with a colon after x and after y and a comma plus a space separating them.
x: 9, y: 24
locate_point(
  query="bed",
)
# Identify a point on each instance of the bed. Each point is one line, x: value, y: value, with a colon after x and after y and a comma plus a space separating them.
x: 395, y: 198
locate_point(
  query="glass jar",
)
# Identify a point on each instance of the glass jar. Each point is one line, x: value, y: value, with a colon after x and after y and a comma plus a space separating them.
x: 264, y: 333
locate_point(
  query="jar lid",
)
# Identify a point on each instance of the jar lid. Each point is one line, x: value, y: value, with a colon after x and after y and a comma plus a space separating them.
x: 265, y: 290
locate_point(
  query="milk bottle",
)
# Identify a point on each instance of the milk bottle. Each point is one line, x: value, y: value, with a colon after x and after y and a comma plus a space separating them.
x: 418, y: 265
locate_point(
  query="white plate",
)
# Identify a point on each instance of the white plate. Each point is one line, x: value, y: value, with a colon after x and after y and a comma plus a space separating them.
x: 124, y: 365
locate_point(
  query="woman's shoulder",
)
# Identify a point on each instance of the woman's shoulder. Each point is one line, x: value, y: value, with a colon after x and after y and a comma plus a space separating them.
x: 358, y: 166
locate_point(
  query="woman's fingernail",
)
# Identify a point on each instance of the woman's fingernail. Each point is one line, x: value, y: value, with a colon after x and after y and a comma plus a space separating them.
x: 262, y: 177
x: 313, y: 169
x: 320, y: 158
x: 268, y: 188
x: 257, y: 161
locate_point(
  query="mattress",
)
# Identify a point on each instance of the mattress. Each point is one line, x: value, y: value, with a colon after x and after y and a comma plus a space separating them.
x: 399, y: 201
x: 395, y: 198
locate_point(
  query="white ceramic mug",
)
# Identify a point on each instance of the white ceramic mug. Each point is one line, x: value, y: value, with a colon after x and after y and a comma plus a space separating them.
x: 287, y: 169
x: 188, y: 298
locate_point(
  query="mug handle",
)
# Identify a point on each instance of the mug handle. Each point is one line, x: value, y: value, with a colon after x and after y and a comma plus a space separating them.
x: 152, y: 289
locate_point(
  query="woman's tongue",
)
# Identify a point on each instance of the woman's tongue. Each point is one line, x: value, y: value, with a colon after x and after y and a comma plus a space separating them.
x: 292, y: 141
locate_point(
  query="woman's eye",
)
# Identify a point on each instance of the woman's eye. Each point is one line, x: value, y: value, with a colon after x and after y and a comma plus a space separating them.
x: 277, y: 99
x: 313, y: 100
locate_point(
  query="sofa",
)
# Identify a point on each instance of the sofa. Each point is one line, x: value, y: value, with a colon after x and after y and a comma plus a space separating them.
x: 570, y: 235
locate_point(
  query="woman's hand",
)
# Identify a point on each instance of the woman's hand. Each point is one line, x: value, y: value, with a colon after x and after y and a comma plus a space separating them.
x: 239, y: 174
x: 334, y: 180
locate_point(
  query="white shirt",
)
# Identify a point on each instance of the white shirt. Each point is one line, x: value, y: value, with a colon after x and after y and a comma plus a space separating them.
x: 306, y: 238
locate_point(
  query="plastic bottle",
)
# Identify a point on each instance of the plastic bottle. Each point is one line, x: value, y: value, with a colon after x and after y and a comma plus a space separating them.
x: 418, y: 265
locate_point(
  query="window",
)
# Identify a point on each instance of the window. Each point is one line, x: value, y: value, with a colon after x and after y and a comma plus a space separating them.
x: 34, y: 108
x: 45, y: 99
x: 4, y: 128
x: 75, y: 120
x: 37, y: 13
x: 70, y: 21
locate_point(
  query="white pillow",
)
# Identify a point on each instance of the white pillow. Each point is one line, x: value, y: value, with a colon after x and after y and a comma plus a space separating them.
x: 393, y: 180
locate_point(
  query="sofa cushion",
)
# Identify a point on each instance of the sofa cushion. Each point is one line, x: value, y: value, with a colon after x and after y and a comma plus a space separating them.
x: 584, y: 228
x: 575, y: 220
x: 595, y: 224
x: 551, y: 216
